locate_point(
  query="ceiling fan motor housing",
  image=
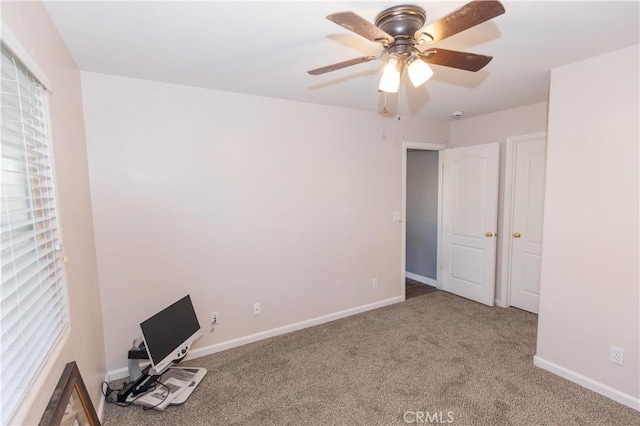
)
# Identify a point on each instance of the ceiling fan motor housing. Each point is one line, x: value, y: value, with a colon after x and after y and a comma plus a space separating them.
x: 401, y: 22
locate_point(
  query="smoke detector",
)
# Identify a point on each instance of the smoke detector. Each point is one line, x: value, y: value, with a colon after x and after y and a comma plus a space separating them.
x: 457, y: 114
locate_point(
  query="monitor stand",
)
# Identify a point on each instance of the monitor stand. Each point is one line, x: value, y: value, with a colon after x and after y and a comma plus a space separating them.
x: 142, y: 382
x: 193, y: 374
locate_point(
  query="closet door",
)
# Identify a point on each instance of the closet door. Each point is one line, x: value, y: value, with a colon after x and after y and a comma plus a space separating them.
x: 526, y: 222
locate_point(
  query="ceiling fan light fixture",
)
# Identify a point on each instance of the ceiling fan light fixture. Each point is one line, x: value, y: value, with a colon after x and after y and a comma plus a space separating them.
x: 419, y: 71
x: 390, y: 81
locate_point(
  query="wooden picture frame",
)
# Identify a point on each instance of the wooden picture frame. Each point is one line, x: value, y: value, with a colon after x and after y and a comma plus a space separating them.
x: 70, y: 403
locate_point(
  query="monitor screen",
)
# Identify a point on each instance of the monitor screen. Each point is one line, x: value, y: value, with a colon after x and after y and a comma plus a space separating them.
x: 169, y: 333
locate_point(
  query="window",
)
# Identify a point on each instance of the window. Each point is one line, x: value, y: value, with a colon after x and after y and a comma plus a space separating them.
x: 33, y: 311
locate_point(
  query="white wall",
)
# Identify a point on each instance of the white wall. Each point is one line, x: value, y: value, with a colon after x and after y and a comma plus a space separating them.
x: 422, y: 213
x: 238, y: 199
x: 590, y: 275
x: 497, y: 127
x: 31, y: 25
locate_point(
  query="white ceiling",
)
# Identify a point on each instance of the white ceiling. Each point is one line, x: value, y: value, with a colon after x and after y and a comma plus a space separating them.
x: 265, y: 48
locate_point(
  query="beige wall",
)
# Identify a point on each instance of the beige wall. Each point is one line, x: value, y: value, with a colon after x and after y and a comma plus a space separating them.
x: 31, y: 25
x: 590, y: 275
x: 237, y: 199
x: 497, y: 127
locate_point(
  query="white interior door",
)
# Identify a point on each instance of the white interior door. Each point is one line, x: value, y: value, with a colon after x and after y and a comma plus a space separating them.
x: 526, y: 223
x: 469, y: 221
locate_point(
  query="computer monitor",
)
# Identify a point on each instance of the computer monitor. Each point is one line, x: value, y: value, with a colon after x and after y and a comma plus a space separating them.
x: 169, y: 333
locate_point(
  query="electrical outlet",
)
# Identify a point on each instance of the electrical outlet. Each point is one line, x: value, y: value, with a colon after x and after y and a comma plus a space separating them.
x: 256, y: 309
x: 215, y: 317
x: 375, y: 283
x: 617, y: 355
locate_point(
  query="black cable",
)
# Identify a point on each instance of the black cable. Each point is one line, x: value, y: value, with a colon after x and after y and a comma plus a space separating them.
x: 163, y: 399
x: 109, y: 390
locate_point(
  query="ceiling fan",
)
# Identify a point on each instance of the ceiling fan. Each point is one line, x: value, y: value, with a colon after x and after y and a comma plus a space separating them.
x: 400, y: 29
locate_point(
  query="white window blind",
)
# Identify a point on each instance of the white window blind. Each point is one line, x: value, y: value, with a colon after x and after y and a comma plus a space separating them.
x: 33, y: 299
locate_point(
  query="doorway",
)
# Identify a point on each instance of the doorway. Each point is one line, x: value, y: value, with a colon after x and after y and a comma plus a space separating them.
x: 466, y: 219
x: 421, y: 211
x: 421, y: 261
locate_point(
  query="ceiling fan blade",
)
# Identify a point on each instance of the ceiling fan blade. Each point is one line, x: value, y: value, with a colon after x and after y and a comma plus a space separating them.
x: 454, y: 59
x: 360, y: 26
x: 469, y: 15
x: 340, y: 65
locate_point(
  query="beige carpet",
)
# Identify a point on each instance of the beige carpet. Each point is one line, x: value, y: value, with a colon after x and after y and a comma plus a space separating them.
x: 432, y: 358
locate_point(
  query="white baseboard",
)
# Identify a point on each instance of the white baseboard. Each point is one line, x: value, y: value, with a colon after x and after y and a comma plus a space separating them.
x: 219, y: 347
x: 602, y: 389
x: 421, y: 279
x: 119, y: 373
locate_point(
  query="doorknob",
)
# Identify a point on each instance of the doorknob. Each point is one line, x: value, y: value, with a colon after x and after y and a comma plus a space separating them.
x: 489, y: 234
x: 517, y: 235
